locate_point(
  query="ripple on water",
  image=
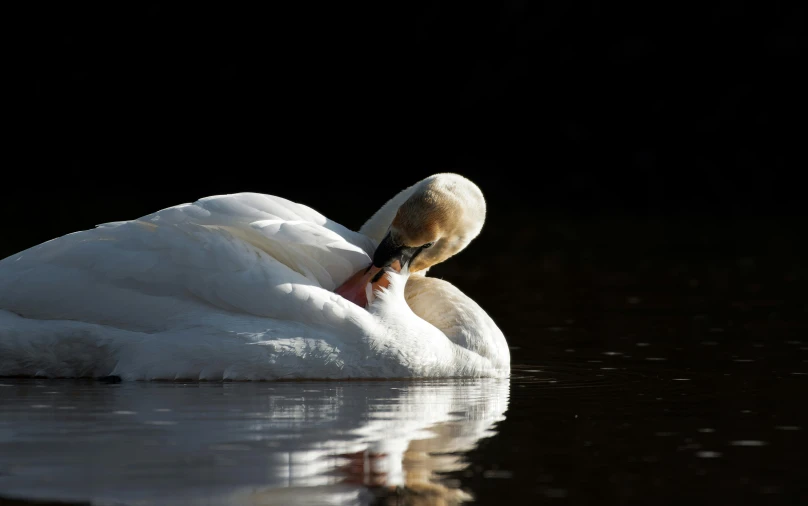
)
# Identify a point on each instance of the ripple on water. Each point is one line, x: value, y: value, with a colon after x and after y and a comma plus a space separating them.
x: 590, y: 380
x: 708, y: 454
x: 497, y: 474
x: 748, y: 442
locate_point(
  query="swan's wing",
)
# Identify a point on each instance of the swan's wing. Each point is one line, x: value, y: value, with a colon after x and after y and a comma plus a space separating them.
x: 242, y: 253
x: 301, y: 238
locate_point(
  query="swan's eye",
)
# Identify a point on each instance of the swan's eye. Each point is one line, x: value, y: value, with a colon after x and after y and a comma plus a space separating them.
x: 427, y: 245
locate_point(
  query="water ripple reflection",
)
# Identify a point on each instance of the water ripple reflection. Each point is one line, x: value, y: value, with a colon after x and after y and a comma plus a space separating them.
x: 241, y: 443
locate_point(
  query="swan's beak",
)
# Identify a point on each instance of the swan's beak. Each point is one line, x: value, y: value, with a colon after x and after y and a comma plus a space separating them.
x: 355, y: 289
x: 390, y: 250
x: 359, y: 287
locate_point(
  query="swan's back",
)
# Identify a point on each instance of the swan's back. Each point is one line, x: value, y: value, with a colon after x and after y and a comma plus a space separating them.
x: 224, y: 251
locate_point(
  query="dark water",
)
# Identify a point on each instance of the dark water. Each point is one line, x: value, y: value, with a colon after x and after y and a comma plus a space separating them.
x: 654, y: 363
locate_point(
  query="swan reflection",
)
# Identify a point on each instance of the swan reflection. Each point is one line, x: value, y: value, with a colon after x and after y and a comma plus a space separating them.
x: 237, y: 443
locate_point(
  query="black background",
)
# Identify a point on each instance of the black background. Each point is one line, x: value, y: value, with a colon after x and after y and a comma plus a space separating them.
x: 558, y: 108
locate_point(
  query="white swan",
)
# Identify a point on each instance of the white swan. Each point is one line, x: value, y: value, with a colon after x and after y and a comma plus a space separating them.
x: 242, y: 287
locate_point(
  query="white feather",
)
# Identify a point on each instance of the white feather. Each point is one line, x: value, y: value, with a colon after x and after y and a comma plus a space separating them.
x: 230, y: 287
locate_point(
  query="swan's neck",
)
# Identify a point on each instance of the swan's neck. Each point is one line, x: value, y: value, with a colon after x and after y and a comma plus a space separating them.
x: 449, y: 322
x: 377, y: 225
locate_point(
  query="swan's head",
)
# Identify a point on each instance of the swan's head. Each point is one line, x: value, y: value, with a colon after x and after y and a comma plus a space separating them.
x: 434, y: 219
x: 444, y: 213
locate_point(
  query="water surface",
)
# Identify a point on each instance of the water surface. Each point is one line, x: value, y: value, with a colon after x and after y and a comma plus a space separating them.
x: 654, y: 363
x: 619, y: 427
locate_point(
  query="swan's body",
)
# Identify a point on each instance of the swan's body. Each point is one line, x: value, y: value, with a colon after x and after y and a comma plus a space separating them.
x: 232, y: 287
